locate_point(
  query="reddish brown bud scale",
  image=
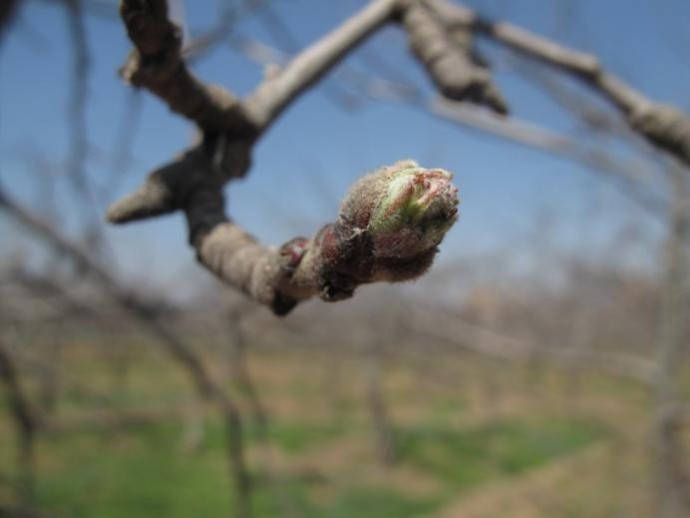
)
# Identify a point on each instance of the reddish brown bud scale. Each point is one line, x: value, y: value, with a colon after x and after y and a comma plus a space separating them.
x: 293, y: 251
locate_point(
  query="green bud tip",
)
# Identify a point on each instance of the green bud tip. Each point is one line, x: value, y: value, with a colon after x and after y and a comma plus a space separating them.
x: 406, y: 209
x: 391, y: 223
x: 422, y: 198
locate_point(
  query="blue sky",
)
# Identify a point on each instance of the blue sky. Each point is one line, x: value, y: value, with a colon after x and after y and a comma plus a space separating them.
x: 304, y: 164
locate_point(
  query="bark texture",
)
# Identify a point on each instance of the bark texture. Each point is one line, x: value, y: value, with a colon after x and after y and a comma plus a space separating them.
x: 450, y: 59
x: 381, y: 240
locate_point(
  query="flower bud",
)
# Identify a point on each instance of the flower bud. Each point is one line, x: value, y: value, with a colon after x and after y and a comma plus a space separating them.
x: 405, y: 209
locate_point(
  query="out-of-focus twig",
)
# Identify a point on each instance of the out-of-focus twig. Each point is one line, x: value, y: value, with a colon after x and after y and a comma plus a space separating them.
x: 78, y: 101
x: 673, y: 495
x: 665, y: 126
x: 382, y: 427
x: 147, y: 313
x: 276, y: 93
x: 628, y: 174
x: 26, y: 424
x: 495, y: 344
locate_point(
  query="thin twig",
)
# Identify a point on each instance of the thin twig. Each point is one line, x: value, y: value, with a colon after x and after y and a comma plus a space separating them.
x: 26, y: 425
x: 147, y: 313
x: 664, y: 126
x: 498, y: 345
x: 531, y: 135
x: 276, y: 93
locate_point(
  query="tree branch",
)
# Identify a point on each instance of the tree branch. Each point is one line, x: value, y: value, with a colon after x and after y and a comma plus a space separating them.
x: 629, y: 174
x: 497, y: 345
x: 663, y: 125
x: 147, y: 313
x: 156, y: 64
x: 300, y: 269
x: 450, y: 58
x: 375, y: 238
x: 277, y: 92
x: 25, y: 421
x: 389, y: 227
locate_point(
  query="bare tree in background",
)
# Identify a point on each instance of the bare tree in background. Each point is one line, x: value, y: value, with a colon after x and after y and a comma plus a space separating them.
x: 26, y: 425
x: 390, y: 224
x: 672, y: 479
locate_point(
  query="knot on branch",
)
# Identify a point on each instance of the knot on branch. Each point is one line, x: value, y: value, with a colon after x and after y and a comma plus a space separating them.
x: 158, y: 42
x: 665, y: 126
x: 176, y: 186
x: 289, y: 258
x: 449, y: 57
x: 156, y: 64
x: 148, y: 26
x: 389, y: 229
x: 292, y: 253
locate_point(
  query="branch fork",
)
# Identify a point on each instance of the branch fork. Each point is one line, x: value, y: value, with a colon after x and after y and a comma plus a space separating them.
x: 390, y: 224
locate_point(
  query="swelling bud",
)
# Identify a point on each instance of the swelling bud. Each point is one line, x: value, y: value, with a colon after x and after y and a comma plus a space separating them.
x: 389, y: 228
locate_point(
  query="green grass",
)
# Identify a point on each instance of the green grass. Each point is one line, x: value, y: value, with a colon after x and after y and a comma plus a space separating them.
x: 292, y: 437
x: 148, y: 474
x: 379, y: 503
x: 470, y: 457
x: 144, y: 475
x: 296, y: 437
